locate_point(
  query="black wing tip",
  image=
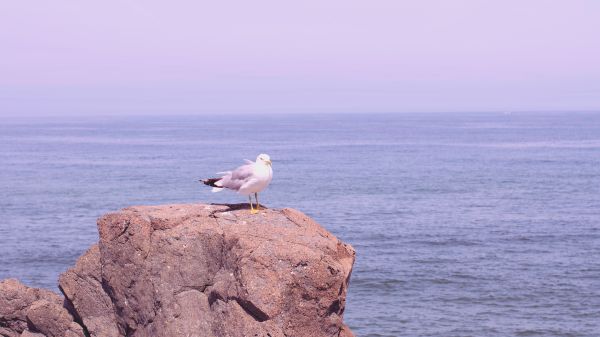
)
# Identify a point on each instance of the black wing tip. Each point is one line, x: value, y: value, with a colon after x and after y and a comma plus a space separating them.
x: 210, y: 181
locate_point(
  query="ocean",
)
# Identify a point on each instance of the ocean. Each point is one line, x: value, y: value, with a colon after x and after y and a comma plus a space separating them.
x: 465, y: 224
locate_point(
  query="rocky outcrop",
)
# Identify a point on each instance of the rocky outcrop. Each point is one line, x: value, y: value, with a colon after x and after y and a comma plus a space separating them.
x: 82, y: 286
x: 194, y: 270
x: 27, y: 311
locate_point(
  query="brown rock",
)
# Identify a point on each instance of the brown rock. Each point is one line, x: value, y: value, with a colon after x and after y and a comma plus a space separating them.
x: 27, y: 311
x: 193, y: 270
x: 52, y: 320
x: 82, y: 286
x: 28, y: 333
x: 15, y: 299
x: 215, y: 270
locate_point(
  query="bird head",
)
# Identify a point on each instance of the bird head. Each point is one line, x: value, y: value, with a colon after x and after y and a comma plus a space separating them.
x: 264, y: 158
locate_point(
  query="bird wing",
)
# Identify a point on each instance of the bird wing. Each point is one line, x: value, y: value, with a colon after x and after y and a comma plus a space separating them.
x: 238, y: 177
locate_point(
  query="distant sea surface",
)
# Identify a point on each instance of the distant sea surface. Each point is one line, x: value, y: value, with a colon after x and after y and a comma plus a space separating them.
x: 464, y: 224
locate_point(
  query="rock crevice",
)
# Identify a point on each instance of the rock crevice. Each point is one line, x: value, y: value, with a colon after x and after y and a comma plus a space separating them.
x: 193, y: 270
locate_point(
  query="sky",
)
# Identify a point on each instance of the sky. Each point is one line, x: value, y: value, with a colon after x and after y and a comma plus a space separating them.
x: 71, y: 57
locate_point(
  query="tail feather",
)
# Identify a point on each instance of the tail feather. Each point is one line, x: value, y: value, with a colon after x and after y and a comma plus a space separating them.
x: 214, y: 182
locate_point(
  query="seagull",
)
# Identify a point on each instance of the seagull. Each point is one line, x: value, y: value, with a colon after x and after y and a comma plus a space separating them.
x: 247, y: 179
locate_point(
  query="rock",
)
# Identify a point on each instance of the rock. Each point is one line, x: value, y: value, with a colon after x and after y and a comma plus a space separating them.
x: 28, y: 333
x: 52, y: 320
x: 27, y: 311
x: 15, y: 299
x: 82, y: 286
x: 195, y: 270
x: 204, y: 270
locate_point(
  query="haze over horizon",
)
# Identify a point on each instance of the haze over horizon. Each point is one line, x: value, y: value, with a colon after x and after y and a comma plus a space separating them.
x: 132, y: 57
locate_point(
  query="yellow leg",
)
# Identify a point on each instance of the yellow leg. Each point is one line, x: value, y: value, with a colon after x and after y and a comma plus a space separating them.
x: 257, y: 204
x: 252, y: 210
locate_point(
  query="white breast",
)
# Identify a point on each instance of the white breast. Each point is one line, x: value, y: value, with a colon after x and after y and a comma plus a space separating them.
x: 263, y: 174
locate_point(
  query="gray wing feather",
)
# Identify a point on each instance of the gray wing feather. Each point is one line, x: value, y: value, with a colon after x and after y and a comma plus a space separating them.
x: 238, y: 177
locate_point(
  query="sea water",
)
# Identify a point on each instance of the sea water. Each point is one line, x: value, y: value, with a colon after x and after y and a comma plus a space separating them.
x: 464, y: 224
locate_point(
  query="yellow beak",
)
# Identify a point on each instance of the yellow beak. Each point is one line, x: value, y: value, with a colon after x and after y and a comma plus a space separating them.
x: 268, y: 162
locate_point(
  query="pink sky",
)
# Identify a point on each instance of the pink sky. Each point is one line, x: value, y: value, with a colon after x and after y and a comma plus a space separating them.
x: 72, y: 57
